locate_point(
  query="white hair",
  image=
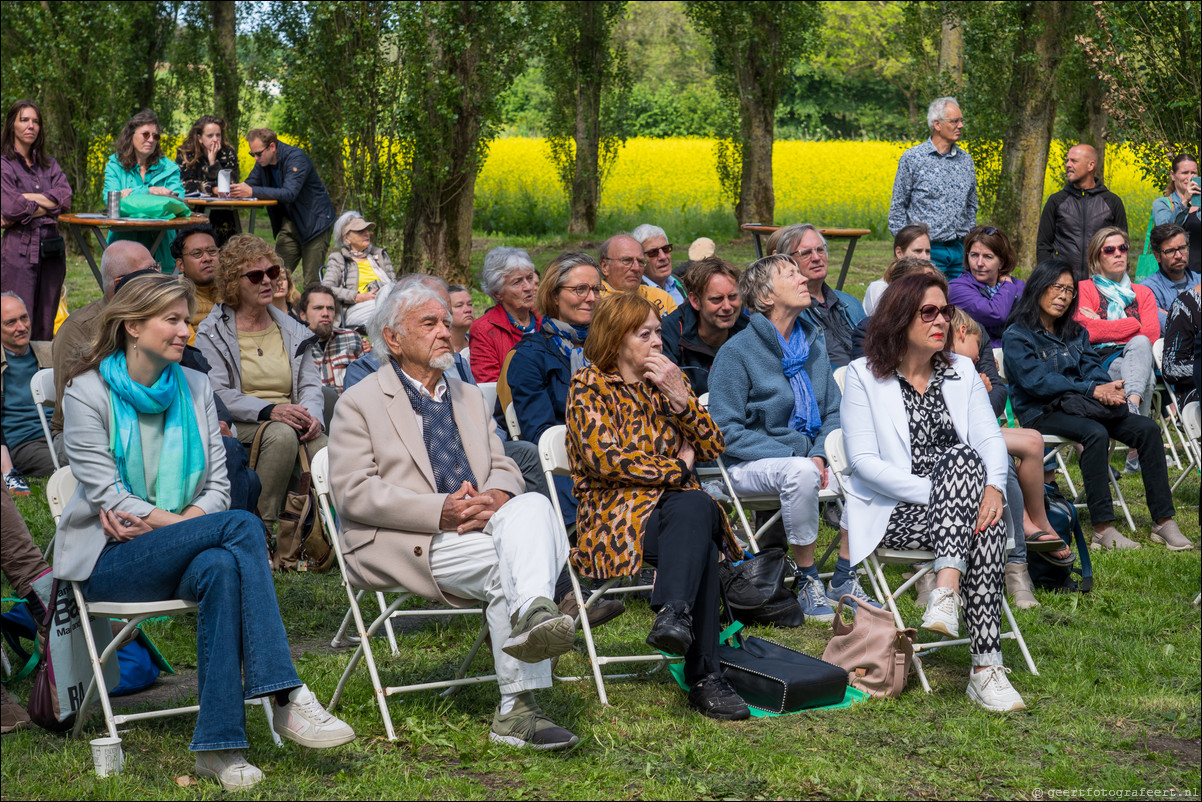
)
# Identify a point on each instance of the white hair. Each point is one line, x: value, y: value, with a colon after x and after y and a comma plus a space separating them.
x: 498, y: 264
x: 340, y: 225
x: 937, y: 109
x: 790, y: 237
x: 647, y: 231
x: 393, y: 303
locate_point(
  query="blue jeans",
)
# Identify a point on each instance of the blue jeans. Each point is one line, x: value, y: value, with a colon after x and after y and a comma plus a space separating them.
x: 218, y: 561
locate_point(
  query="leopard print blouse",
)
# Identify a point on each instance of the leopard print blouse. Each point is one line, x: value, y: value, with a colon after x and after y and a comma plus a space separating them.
x: 622, y: 440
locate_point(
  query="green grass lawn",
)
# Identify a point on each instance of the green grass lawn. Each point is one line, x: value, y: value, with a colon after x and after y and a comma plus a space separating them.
x: 1115, y: 706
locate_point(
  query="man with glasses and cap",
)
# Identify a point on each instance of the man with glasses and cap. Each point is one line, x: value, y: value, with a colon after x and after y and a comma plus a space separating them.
x: 936, y: 184
x: 1074, y: 214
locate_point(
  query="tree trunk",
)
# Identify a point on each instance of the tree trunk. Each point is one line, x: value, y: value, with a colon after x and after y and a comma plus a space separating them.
x: 951, y: 51
x: 223, y: 56
x: 586, y: 178
x: 1093, y: 132
x: 757, y: 201
x: 1029, y: 134
x: 151, y: 24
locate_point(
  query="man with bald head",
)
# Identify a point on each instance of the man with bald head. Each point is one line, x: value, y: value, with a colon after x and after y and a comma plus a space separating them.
x: 622, y: 263
x: 1077, y: 212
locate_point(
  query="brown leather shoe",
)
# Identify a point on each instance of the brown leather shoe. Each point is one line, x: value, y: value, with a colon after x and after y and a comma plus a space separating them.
x: 599, y: 612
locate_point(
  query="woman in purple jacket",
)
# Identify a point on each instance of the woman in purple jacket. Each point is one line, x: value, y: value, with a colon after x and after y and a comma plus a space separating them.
x: 33, y: 192
x: 986, y: 290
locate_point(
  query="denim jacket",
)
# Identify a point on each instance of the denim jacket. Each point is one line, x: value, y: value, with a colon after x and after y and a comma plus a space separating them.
x: 1041, y: 366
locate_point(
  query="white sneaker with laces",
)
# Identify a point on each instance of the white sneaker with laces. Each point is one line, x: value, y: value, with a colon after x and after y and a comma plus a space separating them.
x: 943, y: 613
x: 304, y: 721
x: 992, y: 691
x: 228, y: 767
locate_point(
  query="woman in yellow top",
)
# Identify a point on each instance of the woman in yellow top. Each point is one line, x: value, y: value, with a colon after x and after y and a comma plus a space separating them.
x: 261, y: 366
x: 356, y: 270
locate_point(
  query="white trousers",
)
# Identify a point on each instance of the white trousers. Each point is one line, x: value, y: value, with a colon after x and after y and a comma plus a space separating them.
x: 517, y: 558
x: 358, y: 314
x: 795, y: 480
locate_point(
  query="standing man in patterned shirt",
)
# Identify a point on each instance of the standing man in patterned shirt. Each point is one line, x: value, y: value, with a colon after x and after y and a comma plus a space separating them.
x: 936, y: 184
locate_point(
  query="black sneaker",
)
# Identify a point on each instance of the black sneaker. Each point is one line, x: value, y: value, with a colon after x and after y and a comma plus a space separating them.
x: 673, y: 629
x: 712, y: 696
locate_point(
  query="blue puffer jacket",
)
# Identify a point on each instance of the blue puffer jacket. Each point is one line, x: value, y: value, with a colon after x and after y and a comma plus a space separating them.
x: 1041, y: 366
x: 752, y: 401
x: 538, y: 378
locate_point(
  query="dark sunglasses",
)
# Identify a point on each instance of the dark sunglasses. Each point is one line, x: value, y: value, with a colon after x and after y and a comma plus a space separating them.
x: 256, y: 154
x: 988, y: 231
x: 256, y: 276
x: 929, y: 312
x: 654, y: 252
x: 1110, y: 249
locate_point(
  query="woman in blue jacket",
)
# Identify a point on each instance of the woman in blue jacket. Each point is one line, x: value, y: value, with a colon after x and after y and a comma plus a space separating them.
x: 1059, y: 386
x: 139, y: 166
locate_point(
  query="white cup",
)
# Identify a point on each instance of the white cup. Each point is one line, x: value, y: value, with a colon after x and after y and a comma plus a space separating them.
x: 223, y: 183
x: 108, y: 757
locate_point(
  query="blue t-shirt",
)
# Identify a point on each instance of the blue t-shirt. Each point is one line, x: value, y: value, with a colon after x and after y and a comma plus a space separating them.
x: 20, y: 417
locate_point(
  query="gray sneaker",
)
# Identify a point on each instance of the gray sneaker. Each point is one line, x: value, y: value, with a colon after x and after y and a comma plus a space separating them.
x: 526, y: 726
x: 1169, y: 535
x: 851, y: 587
x: 812, y: 595
x: 541, y: 633
x: 1111, y: 538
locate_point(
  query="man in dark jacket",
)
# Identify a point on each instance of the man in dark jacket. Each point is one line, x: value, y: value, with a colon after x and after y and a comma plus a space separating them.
x: 713, y: 313
x: 302, y: 219
x: 1077, y: 212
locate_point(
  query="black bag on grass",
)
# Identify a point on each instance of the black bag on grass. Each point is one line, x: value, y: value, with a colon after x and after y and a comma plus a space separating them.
x: 1049, y: 576
x: 756, y: 592
x: 779, y: 679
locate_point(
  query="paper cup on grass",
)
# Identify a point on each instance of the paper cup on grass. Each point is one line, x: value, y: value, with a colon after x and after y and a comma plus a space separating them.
x: 108, y: 757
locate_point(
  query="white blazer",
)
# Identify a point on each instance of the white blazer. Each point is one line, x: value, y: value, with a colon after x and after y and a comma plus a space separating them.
x: 876, y: 432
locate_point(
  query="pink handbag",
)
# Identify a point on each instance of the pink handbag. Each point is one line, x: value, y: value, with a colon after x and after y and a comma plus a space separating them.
x: 875, y: 653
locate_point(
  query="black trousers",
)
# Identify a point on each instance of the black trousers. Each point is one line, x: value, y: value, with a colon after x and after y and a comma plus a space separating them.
x: 681, y: 540
x: 1137, y: 431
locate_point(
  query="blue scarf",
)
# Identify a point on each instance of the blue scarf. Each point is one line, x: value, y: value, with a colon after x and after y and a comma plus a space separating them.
x: 568, y: 340
x: 528, y: 328
x: 181, y: 459
x: 805, y: 418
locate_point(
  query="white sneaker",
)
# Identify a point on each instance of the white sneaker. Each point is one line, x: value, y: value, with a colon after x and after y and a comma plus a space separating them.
x: 228, y: 767
x: 943, y: 613
x: 992, y: 691
x: 304, y: 721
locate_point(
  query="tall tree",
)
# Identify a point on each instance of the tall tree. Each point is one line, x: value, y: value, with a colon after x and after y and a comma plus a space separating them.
x: 754, y: 45
x: 223, y: 59
x: 459, y: 57
x: 587, y: 79
x: 152, y: 28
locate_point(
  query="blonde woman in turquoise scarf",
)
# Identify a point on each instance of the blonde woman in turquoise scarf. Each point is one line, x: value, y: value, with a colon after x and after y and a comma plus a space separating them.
x: 1122, y: 320
x: 150, y: 521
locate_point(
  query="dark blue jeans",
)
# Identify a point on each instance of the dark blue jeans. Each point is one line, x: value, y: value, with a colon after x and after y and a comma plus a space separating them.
x: 218, y: 561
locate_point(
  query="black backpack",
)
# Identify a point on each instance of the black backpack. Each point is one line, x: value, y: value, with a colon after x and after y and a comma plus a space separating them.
x: 1049, y: 576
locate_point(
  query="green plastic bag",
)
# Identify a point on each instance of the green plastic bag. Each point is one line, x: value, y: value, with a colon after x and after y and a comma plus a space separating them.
x: 1147, y: 264
x: 153, y: 207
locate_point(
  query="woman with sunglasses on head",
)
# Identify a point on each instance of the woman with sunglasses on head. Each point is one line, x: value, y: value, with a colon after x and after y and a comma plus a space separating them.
x: 138, y: 166
x: 1060, y: 386
x: 261, y: 367
x: 929, y: 470
x: 986, y: 290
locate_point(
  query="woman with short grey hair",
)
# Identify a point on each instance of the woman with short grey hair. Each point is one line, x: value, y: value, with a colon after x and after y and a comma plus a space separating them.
x: 356, y: 270
x: 508, y: 276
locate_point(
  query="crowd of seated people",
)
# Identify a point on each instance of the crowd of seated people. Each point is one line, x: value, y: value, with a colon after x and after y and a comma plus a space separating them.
x: 618, y: 349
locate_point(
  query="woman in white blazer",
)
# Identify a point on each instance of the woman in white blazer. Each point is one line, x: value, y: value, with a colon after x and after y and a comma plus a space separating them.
x: 150, y: 520
x: 928, y: 468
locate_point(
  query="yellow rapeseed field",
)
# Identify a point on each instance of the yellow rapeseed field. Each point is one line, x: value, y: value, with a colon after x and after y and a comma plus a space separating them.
x: 673, y: 181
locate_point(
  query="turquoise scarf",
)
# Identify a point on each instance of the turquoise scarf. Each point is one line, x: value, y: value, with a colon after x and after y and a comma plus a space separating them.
x: 181, y: 458
x: 1118, y: 294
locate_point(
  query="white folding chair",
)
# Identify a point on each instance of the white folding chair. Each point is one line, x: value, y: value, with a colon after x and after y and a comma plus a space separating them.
x: 319, y: 468
x: 1171, y: 424
x: 1192, y: 421
x: 836, y: 453
x: 59, y: 488
x: 840, y: 376
x: 553, y: 453
x: 41, y: 387
x: 1060, y: 446
x: 1001, y: 364
x: 511, y: 422
x: 489, y: 389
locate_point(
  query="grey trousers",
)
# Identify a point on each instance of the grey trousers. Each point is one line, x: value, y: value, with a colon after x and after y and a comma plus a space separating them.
x: 1136, y: 368
x: 311, y: 255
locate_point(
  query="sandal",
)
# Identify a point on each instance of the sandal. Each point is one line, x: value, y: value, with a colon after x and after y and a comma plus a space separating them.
x: 1035, y: 542
x: 1063, y: 562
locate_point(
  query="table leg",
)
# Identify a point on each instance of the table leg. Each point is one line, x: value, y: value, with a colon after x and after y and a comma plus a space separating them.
x: 759, y: 251
x: 851, y: 248
x: 154, y: 249
x: 82, y: 243
x: 252, y: 220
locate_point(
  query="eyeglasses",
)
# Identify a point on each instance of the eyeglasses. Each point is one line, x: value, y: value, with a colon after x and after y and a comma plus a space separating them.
x: 1062, y: 289
x: 654, y: 252
x: 199, y: 252
x: 256, y: 276
x: 1110, y: 249
x: 582, y: 290
x: 808, y: 253
x: 629, y: 261
x: 1171, y: 252
x: 147, y: 135
x: 954, y: 121
x: 929, y: 312
x: 256, y: 154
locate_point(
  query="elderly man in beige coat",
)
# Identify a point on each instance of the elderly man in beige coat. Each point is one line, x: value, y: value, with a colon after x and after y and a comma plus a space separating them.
x: 429, y: 501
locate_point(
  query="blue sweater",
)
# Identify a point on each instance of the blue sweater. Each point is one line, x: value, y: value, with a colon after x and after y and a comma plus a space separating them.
x: 751, y: 400
x: 538, y: 379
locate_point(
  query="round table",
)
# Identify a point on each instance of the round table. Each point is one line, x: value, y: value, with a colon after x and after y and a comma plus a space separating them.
x: 852, y: 235
x: 209, y: 203
x: 77, y: 223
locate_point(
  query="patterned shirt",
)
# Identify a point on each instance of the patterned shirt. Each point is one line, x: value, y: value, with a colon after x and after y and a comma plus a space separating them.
x: 939, y: 189
x: 932, y: 432
x: 333, y: 356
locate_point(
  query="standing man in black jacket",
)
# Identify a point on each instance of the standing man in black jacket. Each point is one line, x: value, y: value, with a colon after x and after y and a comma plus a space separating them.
x: 1077, y: 212
x: 302, y: 219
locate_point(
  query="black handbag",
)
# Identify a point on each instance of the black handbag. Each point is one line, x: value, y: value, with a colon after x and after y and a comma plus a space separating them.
x: 776, y: 678
x: 51, y: 248
x: 756, y: 593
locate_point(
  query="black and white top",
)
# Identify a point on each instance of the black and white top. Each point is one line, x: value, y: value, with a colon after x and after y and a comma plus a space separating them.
x: 931, y: 430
